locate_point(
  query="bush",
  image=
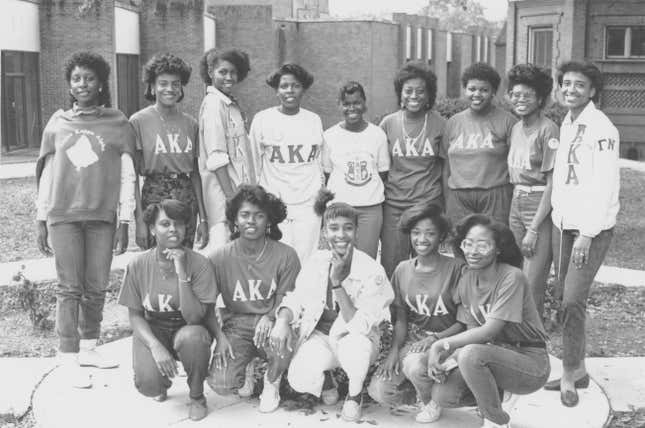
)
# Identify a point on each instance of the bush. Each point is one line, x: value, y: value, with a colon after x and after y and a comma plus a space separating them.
x: 33, y: 300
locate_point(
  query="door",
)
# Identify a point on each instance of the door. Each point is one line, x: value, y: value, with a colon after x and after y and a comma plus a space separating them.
x: 14, y: 119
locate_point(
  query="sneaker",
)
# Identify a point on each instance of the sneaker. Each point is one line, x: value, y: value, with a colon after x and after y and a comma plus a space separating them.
x: 330, y: 396
x: 270, y: 397
x: 491, y: 424
x: 352, y: 410
x: 249, y: 381
x: 429, y: 413
x: 72, y: 372
x: 89, y: 356
x: 197, y: 409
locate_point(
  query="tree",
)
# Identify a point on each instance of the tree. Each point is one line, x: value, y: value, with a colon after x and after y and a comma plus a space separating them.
x: 459, y: 15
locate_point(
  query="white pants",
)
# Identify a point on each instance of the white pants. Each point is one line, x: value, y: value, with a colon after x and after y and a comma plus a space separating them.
x: 301, y: 229
x: 353, y: 353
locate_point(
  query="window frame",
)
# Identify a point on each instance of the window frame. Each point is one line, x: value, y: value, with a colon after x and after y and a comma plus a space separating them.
x: 627, y: 42
x: 531, y: 53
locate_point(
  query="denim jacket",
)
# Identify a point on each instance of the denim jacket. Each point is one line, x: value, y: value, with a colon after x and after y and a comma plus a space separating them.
x: 366, y: 285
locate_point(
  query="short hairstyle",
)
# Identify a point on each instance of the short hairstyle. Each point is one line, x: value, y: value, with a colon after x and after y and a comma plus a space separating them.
x: 164, y: 63
x: 534, y: 77
x: 412, y: 216
x: 270, y: 204
x: 587, y: 69
x: 98, y: 65
x: 416, y: 70
x: 328, y: 211
x: 297, y: 71
x: 173, y: 208
x: 237, y: 57
x: 351, y: 87
x: 509, y: 252
x: 481, y: 71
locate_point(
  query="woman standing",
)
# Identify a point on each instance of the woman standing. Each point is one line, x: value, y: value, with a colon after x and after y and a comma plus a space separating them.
x: 167, y: 148
x: 355, y: 161
x: 86, y: 177
x: 289, y: 139
x: 226, y: 158
x: 504, y: 346
x: 424, y: 313
x: 253, y: 272
x: 534, y: 141
x: 586, y: 182
x: 168, y: 291
x: 476, y: 142
x: 414, y: 138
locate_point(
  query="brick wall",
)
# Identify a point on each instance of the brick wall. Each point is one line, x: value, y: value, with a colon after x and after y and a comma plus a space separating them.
x: 63, y: 31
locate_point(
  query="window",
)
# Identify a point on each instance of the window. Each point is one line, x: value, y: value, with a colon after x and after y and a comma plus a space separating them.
x: 625, y: 42
x: 127, y: 82
x: 541, y: 47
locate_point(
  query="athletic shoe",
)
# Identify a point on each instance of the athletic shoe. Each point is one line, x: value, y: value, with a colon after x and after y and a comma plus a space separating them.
x: 249, y: 381
x: 491, y: 424
x: 429, y: 413
x: 197, y: 409
x: 72, y: 372
x: 330, y: 396
x: 89, y: 356
x: 270, y: 397
x: 352, y: 410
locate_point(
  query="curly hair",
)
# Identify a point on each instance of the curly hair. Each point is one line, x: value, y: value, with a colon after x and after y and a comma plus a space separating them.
x: 351, y: 87
x: 481, y: 71
x: 212, y: 57
x: 509, y: 252
x: 412, y: 216
x: 98, y: 65
x: 270, y: 204
x: 416, y: 70
x: 173, y: 208
x: 534, y: 77
x: 328, y: 211
x: 164, y: 63
x: 589, y: 70
x: 303, y: 76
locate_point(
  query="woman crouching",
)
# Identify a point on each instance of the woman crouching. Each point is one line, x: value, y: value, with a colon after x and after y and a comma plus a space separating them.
x: 341, y: 296
x: 169, y: 290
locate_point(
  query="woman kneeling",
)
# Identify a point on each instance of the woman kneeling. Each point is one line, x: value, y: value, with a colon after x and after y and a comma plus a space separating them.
x: 503, y: 351
x: 341, y: 296
x: 169, y: 290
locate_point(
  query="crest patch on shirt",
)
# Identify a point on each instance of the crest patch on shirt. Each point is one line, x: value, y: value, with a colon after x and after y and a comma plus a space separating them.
x: 553, y: 143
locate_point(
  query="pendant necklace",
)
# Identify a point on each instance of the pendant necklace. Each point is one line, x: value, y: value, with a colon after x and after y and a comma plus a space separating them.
x: 408, y: 139
x: 167, y: 268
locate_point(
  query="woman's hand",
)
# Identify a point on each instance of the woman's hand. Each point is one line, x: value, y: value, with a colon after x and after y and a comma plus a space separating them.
x: 423, y: 344
x: 528, y: 243
x: 222, y: 349
x: 580, y: 251
x: 435, y: 360
x: 142, y: 234
x: 41, y: 238
x: 165, y: 362
x: 201, y: 234
x: 281, y: 338
x: 121, y: 239
x: 341, y: 265
x: 178, y: 256
x: 262, y: 330
x: 390, y: 366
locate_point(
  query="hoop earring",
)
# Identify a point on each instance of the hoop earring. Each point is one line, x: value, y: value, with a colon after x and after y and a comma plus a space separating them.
x: 235, y: 228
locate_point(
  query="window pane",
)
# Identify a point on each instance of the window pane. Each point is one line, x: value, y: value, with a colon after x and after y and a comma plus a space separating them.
x: 615, y: 41
x: 638, y: 41
x: 542, y: 48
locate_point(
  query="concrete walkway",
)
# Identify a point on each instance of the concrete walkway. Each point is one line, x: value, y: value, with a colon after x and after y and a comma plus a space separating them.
x: 114, y: 402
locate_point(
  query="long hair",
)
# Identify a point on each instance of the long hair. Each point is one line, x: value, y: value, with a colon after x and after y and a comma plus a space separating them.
x: 509, y: 252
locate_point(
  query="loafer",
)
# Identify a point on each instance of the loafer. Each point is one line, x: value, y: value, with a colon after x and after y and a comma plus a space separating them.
x: 581, y: 383
x: 569, y: 398
x: 197, y: 409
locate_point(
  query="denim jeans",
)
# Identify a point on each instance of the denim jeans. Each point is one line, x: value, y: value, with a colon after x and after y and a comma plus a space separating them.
x: 494, y: 202
x: 486, y: 370
x: 370, y: 220
x: 411, y: 383
x: 189, y: 344
x: 524, y: 206
x: 239, y: 330
x: 83, y: 255
x: 572, y: 288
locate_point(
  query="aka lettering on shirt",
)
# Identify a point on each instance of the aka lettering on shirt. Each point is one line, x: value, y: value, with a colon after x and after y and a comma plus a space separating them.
x: 421, y: 307
x: 480, y: 313
x: 254, y: 294
x: 173, y: 144
x: 163, y: 303
x: 410, y: 149
x: 471, y: 142
x: 293, y: 154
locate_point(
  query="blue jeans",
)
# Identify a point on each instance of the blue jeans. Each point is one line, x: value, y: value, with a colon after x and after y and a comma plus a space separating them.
x: 572, y: 288
x: 370, y: 220
x: 83, y: 255
x: 524, y: 206
x: 486, y: 370
x: 494, y: 202
x: 239, y: 330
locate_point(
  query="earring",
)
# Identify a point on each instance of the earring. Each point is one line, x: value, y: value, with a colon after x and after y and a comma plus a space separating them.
x: 268, y: 230
x: 235, y: 228
x: 100, y: 90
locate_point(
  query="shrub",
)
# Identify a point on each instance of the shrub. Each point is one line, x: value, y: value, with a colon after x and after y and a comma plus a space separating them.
x: 34, y: 301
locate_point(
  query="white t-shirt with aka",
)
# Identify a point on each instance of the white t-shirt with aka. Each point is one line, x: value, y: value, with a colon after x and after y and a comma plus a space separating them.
x: 353, y: 161
x: 289, y: 147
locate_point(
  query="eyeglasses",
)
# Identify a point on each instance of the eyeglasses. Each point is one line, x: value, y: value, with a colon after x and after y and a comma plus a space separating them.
x: 529, y: 96
x: 480, y: 247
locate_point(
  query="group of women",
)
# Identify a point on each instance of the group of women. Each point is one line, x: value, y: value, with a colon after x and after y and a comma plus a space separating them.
x: 466, y: 329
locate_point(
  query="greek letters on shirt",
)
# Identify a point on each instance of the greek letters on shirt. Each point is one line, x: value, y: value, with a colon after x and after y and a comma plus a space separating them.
x: 358, y: 171
x: 471, y: 142
x: 172, y: 145
x: 409, y: 149
x: 480, y: 313
x: 520, y: 156
x: 254, y: 293
x: 163, y: 303
x: 421, y: 306
x: 293, y: 153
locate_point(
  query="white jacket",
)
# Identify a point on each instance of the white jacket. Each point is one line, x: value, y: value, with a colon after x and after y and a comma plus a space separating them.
x: 366, y: 285
x: 586, y: 176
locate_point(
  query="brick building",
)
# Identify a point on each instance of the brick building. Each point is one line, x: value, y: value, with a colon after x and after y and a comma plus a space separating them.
x: 37, y: 35
x: 609, y: 33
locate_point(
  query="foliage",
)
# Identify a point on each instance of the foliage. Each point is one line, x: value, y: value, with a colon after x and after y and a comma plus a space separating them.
x: 459, y: 15
x: 34, y: 301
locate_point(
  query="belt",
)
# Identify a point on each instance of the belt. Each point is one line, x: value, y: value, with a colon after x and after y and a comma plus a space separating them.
x: 530, y: 189
x: 172, y: 175
x: 521, y: 344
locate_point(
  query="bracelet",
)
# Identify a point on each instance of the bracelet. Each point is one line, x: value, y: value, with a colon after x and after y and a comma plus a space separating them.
x: 185, y: 281
x: 531, y: 230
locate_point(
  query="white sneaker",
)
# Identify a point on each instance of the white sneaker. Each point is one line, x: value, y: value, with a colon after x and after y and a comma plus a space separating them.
x: 270, y: 397
x: 351, y: 410
x: 72, y: 372
x: 491, y: 424
x: 429, y: 413
x: 89, y: 356
x: 249, y: 381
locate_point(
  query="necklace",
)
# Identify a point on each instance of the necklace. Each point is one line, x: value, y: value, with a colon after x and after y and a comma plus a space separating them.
x: 264, y: 247
x: 167, y: 268
x: 408, y: 139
